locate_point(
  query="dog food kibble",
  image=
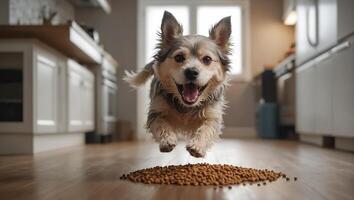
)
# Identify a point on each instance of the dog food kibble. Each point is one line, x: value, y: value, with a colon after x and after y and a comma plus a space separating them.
x: 202, y: 175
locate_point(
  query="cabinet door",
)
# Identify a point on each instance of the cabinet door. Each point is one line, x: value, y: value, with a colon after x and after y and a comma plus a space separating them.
x: 316, y: 28
x: 343, y: 102
x: 88, y: 105
x: 305, y: 30
x: 327, y: 24
x: 15, y: 88
x: 75, y: 121
x: 323, y: 94
x: 305, y: 93
x: 46, y: 90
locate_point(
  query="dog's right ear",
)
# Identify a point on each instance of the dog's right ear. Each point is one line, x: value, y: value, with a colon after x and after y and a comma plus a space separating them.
x: 170, y: 28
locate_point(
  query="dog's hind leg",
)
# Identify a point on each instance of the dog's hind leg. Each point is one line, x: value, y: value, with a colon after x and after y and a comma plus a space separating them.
x: 163, y: 134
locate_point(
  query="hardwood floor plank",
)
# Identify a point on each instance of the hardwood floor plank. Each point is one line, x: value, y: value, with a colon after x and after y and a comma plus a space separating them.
x: 93, y: 171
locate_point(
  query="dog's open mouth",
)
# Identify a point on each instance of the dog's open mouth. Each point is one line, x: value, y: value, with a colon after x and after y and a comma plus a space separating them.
x: 190, y: 92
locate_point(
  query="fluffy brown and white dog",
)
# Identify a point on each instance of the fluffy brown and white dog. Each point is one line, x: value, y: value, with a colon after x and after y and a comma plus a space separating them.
x: 187, y: 89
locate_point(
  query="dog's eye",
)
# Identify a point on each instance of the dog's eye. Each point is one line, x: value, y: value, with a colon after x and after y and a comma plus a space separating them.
x: 207, y: 60
x: 179, y: 58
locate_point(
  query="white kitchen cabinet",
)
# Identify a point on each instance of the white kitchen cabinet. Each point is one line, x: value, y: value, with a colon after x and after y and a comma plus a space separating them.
x: 315, y: 28
x: 327, y: 24
x: 16, y: 95
x: 343, y: 90
x: 88, y: 103
x: 323, y: 94
x: 75, y: 121
x: 80, y: 98
x: 39, y: 86
x: 314, y: 96
x: 305, y: 101
x: 46, y: 101
x: 46, y: 92
x: 320, y: 25
x: 305, y: 38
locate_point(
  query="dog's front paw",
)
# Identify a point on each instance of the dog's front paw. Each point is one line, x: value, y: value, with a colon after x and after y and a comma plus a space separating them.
x: 196, y: 151
x: 167, y: 147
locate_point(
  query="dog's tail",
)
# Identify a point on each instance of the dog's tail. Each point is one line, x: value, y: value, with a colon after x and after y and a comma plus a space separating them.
x: 138, y: 79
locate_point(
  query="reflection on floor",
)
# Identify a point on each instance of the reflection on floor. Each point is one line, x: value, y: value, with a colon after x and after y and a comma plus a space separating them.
x: 93, y: 171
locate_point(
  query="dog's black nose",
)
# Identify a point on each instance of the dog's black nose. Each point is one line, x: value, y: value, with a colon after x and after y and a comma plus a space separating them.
x: 191, y: 73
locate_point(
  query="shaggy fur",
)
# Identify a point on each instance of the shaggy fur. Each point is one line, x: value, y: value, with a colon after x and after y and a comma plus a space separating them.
x: 181, y: 105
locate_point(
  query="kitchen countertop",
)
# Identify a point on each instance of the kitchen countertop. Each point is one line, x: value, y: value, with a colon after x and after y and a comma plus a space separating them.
x: 70, y: 39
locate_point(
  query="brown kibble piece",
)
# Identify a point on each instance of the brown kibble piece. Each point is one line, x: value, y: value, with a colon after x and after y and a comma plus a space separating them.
x: 287, y: 179
x: 295, y: 178
x: 203, y: 174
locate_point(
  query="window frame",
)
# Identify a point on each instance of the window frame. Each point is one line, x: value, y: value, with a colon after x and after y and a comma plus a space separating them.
x: 192, y: 5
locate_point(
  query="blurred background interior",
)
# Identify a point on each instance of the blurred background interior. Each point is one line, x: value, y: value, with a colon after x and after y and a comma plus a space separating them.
x: 66, y: 115
x: 62, y: 62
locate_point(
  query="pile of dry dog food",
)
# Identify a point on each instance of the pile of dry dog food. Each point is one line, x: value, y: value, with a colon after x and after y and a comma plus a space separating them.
x: 204, y: 174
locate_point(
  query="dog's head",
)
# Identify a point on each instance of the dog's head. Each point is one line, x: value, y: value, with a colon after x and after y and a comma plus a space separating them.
x: 192, y: 67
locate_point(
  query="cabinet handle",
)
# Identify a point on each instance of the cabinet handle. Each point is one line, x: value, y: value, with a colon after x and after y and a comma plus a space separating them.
x: 305, y: 66
x: 322, y: 57
x: 309, y: 39
x: 341, y: 47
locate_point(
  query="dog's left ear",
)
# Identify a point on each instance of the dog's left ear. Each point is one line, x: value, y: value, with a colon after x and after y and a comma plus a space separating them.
x: 221, y: 32
x: 170, y: 28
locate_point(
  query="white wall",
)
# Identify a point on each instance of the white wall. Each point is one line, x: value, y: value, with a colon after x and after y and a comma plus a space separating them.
x: 270, y: 38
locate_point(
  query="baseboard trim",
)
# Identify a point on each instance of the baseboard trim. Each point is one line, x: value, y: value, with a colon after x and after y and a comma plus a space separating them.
x: 346, y: 144
x: 319, y: 140
x: 13, y: 143
x: 49, y: 142
x: 239, y: 132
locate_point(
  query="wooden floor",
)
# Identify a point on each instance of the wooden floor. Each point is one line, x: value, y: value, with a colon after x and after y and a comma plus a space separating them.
x: 93, y: 171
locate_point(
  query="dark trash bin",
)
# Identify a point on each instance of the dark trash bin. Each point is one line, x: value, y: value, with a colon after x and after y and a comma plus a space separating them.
x: 267, y: 120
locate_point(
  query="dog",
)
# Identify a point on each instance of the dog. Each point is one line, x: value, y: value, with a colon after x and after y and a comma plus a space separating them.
x: 187, y: 89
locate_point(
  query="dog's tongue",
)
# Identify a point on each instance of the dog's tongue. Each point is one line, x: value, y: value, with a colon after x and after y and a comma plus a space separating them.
x: 190, y: 93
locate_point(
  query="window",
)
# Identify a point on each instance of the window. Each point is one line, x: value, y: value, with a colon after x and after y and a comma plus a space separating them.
x: 197, y: 17
x: 153, y: 19
x: 208, y: 15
